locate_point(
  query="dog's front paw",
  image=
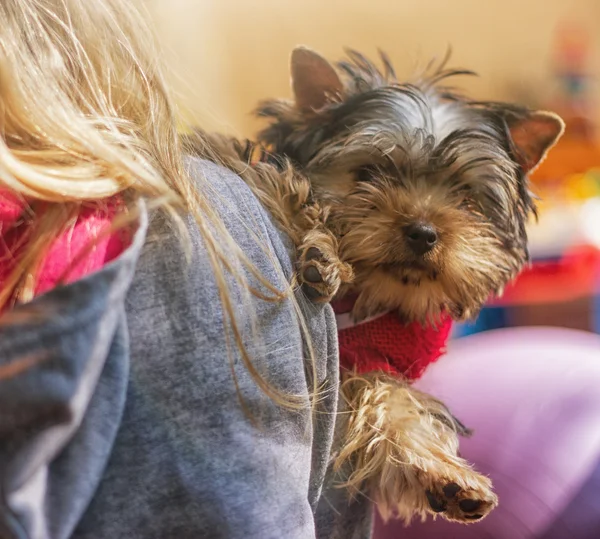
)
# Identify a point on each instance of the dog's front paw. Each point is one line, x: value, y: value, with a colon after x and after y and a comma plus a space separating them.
x: 321, y: 273
x: 459, y: 494
x: 401, y: 450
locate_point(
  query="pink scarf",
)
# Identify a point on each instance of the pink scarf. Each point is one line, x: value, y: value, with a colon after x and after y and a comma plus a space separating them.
x: 70, y: 247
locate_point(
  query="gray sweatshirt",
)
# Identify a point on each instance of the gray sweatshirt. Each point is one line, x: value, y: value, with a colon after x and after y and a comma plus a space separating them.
x: 120, y: 418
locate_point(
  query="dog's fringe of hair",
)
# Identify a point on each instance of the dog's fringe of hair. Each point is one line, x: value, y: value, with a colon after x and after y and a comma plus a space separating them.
x: 364, y: 74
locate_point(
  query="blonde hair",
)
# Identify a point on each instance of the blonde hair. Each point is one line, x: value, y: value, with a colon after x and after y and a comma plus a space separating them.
x: 87, y: 115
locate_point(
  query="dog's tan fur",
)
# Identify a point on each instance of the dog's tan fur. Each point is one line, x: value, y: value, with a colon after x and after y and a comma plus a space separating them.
x: 401, y: 445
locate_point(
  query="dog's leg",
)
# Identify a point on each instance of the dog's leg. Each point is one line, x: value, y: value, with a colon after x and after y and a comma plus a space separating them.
x: 286, y: 194
x: 401, y: 449
x: 321, y: 272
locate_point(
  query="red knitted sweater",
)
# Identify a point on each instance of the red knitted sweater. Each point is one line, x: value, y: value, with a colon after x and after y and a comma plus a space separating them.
x: 386, y: 344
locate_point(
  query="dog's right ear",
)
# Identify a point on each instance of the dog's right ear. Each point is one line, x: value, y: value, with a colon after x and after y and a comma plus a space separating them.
x: 533, y: 135
x: 314, y: 80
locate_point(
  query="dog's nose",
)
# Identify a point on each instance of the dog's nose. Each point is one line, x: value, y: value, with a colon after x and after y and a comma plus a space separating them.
x: 421, y: 237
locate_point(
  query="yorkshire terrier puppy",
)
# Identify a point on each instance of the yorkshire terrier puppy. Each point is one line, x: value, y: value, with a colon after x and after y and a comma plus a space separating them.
x: 408, y: 197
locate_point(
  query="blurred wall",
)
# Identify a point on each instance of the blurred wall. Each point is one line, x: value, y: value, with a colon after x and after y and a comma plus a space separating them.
x: 226, y: 55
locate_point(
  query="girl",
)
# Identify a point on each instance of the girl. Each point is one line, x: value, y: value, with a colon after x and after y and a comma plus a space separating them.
x: 157, y: 376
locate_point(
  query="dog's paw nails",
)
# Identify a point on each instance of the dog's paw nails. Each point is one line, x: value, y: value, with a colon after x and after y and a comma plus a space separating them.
x: 467, y: 498
x: 312, y: 275
x: 451, y: 490
x: 312, y: 293
x: 321, y: 275
x: 437, y: 504
x: 314, y: 283
x: 469, y: 506
x: 312, y: 272
x: 463, y: 504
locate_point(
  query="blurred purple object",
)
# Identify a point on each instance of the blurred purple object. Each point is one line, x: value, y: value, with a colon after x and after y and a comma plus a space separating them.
x: 532, y: 395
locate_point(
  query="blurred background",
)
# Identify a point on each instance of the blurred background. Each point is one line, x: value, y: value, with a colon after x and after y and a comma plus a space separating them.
x: 226, y: 55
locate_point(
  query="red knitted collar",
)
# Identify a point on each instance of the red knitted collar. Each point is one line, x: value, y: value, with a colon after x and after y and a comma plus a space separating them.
x: 386, y: 344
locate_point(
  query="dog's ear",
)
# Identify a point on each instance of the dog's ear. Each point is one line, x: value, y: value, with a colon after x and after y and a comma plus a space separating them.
x: 314, y: 79
x: 533, y: 135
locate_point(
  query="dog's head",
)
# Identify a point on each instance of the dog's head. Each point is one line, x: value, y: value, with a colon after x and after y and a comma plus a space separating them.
x: 429, y: 190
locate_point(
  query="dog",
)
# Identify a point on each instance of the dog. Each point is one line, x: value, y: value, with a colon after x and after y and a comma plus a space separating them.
x: 408, y: 197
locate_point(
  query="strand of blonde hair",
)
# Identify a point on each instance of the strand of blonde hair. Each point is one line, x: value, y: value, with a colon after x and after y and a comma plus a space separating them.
x: 86, y: 115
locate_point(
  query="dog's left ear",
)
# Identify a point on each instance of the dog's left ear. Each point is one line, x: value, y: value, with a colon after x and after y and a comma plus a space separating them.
x: 314, y: 80
x: 533, y: 136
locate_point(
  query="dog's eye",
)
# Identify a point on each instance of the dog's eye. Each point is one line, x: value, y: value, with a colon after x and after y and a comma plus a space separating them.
x: 365, y: 174
x: 464, y: 191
